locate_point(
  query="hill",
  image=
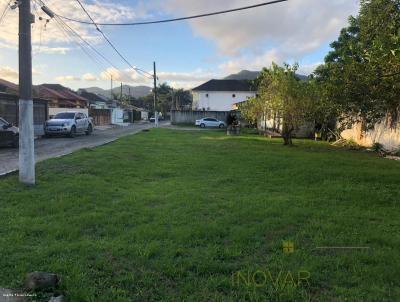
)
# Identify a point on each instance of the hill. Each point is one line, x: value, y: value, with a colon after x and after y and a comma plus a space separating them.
x: 135, y: 91
x: 252, y: 75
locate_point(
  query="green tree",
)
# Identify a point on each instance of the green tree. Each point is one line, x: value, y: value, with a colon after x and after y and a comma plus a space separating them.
x: 284, y: 97
x: 361, y: 75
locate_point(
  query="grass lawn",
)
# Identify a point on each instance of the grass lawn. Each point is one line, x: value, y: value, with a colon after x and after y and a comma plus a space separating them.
x: 172, y: 215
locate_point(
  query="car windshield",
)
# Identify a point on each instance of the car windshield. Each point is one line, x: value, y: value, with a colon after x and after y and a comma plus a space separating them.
x: 3, y: 122
x: 64, y: 116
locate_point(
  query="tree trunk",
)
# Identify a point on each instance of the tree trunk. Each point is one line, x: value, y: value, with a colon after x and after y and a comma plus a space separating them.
x: 287, y: 134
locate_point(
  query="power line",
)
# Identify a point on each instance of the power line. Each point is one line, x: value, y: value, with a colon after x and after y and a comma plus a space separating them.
x: 68, y: 29
x: 110, y: 43
x: 4, y: 13
x: 176, y: 19
x: 73, y: 37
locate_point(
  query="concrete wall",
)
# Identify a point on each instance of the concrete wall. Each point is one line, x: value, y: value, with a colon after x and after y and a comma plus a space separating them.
x: 306, y: 130
x: 190, y: 117
x: 219, y: 100
x: 382, y: 134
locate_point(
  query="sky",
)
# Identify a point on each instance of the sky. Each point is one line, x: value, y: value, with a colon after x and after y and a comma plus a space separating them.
x: 187, y: 53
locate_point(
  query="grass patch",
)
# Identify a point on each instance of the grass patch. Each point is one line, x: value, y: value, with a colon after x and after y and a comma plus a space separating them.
x: 173, y: 215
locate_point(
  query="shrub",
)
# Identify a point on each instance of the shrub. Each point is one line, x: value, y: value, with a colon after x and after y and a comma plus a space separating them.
x: 377, y: 147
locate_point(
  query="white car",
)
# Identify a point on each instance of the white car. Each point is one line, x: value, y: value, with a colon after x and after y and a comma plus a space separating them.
x: 210, y: 122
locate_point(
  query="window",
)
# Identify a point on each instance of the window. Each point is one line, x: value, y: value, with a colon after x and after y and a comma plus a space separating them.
x: 206, y: 95
x: 233, y: 95
x: 65, y: 116
x: 3, y: 122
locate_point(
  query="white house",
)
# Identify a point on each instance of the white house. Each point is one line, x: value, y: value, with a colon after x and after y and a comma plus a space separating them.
x: 221, y: 95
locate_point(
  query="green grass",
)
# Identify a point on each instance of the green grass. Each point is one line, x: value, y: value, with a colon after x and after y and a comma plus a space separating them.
x: 172, y: 215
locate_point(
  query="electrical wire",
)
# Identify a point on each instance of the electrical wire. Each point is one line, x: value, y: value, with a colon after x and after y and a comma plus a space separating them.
x: 5, y: 11
x: 77, y: 39
x: 112, y: 45
x: 176, y: 19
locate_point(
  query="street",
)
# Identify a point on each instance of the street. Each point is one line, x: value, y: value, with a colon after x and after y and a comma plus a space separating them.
x: 46, y: 148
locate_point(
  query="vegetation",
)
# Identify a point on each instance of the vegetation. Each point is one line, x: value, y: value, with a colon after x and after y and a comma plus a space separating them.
x: 282, y: 98
x: 359, y: 82
x: 168, y: 98
x: 361, y: 75
x: 173, y: 215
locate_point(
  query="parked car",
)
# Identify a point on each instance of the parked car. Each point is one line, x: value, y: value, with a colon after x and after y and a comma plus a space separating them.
x: 210, y: 122
x: 69, y: 123
x: 153, y: 119
x: 9, y: 135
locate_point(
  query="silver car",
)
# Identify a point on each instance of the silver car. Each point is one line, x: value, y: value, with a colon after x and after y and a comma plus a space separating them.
x: 68, y: 123
x: 210, y: 122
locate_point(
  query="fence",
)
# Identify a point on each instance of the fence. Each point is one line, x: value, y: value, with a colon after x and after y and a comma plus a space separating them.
x: 9, y: 110
x: 101, y: 117
x: 190, y: 117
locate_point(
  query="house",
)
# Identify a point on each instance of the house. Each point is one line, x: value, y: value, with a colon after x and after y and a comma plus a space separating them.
x: 96, y: 101
x: 221, y: 95
x: 8, y: 87
x: 61, y: 98
x: 9, y: 110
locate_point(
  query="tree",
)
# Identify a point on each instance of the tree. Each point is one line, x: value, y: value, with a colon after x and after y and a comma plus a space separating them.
x: 361, y: 75
x: 284, y: 97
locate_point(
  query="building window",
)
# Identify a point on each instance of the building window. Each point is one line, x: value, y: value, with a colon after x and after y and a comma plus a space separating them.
x: 206, y: 95
x: 233, y: 95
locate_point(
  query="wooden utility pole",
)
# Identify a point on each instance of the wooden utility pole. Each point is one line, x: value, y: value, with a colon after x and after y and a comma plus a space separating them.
x: 111, y: 91
x: 26, y: 132
x: 155, y: 96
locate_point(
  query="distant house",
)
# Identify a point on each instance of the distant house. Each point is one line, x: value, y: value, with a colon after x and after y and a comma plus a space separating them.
x: 221, y: 95
x: 9, y: 110
x: 95, y: 101
x: 61, y: 98
x: 8, y: 87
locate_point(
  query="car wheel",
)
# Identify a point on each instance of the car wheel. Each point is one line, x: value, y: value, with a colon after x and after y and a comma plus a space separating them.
x: 73, y: 132
x: 15, y: 143
x: 89, y: 130
x: 202, y: 126
x: 221, y: 126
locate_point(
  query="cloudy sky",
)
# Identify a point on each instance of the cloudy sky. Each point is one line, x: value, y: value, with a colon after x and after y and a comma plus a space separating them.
x: 187, y: 53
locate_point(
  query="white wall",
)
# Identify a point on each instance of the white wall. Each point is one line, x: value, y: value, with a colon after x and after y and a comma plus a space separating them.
x: 117, y: 116
x: 219, y: 100
x: 54, y: 111
x: 389, y: 138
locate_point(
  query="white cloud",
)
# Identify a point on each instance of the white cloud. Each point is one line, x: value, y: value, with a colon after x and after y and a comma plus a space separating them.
x: 11, y: 74
x: 308, y: 68
x: 250, y: 62
x: 68, y: 78
x: 89, y: 77
x: 51, y: 35
x: 295, y: 27
x: 8, y: 73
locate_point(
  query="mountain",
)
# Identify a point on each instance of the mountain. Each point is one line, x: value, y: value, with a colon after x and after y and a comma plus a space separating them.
x: 243, y: 75
x: 135, y: 91
x: 252, y: 75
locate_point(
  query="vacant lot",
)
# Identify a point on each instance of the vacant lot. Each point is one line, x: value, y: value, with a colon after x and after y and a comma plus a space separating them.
x: 175, y: 215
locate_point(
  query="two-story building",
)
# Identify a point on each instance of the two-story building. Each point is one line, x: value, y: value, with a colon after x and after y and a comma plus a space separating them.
x: 221, y: 95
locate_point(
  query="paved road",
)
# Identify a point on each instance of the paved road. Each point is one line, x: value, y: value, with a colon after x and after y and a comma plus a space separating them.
x: 59, y: 146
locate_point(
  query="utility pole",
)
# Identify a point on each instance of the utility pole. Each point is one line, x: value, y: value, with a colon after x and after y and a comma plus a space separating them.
x: 26, y: 132
x: 111, y: 91
x: 155, y: 96
x: 121, y: 93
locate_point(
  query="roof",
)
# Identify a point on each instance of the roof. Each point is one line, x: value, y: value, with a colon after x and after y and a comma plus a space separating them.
x: 6, y: 85
x: 92, y: 97
x: 225, y: 85
x: 56, y: 91
x: 15, y: 97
